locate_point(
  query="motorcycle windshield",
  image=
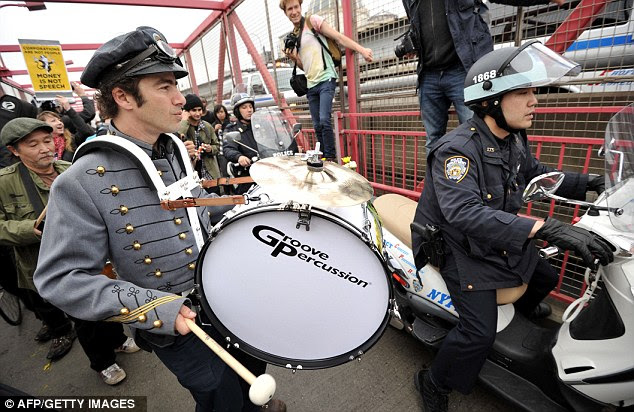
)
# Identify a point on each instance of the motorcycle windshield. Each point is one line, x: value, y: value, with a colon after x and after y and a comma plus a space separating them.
x: 619, y: 168
x: 272, y: 132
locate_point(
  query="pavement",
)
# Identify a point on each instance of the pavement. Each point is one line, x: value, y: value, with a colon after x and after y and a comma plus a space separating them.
x: 381, y: 381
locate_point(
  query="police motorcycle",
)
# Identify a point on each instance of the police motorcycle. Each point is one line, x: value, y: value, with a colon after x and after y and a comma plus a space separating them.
x: 587, y: 362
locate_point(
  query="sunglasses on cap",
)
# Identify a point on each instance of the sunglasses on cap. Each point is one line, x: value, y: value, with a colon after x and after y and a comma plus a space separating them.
x: 160, y: 51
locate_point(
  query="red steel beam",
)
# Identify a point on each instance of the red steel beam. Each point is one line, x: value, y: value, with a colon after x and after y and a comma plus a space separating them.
x: 351, y: 70
x: 222, y: 50
x: 579, y: 20
x: 8, y: 73
x: 201, y: 29
x: 261, y: 66
x: 181, y: 4
x: 233, y: 51
x: 14, y: 48
x: 192, y: 74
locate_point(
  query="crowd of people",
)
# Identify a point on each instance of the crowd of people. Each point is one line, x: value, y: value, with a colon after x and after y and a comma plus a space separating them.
x: 106, y: 197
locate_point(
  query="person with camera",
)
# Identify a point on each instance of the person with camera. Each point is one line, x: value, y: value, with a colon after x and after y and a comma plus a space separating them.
x: 466, y: 222
x: 307, y: 48
x: 448, y: 37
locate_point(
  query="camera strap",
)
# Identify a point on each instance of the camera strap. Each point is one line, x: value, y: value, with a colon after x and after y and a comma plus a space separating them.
x: 299, y: 33
x: 31, y: 190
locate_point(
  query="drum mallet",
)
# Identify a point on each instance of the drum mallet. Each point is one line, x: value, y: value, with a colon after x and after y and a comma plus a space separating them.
x: 262, y: 388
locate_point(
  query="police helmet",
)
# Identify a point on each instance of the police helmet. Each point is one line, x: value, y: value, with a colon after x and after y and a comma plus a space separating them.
x: 511, y: 68
x: 241, y: 95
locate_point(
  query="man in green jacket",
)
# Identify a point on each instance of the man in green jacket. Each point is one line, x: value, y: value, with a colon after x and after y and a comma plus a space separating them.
x: 24, y: 191
x: 30, y: 140
x: 193, y: 128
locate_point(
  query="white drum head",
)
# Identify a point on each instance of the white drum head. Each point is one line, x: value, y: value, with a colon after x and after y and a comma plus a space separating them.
x: 290, y: 296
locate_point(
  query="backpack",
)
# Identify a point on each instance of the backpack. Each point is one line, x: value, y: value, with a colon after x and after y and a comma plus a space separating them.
x: 332, y: 46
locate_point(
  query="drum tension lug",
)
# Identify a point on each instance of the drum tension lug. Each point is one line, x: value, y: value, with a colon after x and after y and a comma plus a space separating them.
x: 304, y: 217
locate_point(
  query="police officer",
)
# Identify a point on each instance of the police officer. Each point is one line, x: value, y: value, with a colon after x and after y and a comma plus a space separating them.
x: 242, y: 150
x: 475, y: 178
x: 106, y: 207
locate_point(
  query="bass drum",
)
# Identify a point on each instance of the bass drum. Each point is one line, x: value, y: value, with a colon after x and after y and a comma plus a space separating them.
x: 297, y: 295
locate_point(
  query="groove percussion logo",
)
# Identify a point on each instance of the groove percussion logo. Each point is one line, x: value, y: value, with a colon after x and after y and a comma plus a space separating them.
x: 286, y: 245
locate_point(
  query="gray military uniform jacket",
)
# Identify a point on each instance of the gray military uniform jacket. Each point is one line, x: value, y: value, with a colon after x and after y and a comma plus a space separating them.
x: 102, y: 208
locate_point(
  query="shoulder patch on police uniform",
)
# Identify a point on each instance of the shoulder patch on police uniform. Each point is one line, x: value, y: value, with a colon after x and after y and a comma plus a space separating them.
x: 456, y: 168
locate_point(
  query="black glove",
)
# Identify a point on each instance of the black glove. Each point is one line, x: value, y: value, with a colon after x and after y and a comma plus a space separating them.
x: 596, y: 183
x: 584, y: 243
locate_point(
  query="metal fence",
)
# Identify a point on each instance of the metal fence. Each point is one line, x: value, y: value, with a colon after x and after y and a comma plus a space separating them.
x: 378, y: 121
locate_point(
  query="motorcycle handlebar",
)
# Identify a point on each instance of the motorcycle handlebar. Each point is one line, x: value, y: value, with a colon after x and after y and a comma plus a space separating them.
x: 548, y: 252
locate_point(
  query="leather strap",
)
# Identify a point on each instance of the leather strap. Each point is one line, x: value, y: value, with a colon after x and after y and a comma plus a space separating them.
x: 31, y: 190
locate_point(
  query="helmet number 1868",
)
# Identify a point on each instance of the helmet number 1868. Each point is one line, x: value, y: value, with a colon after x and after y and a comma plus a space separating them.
x: 484, y: 76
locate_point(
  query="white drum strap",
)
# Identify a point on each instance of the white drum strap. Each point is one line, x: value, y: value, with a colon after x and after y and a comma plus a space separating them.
x: 187, y: 184
x: 180, y: 188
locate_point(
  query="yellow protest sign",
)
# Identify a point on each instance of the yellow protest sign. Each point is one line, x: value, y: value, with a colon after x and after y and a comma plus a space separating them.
x: 45, y: 64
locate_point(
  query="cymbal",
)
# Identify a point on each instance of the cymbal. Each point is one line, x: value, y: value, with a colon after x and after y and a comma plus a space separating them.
x: 290, y: 178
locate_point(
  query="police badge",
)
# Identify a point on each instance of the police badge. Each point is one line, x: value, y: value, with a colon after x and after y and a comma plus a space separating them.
x: 456, y: 168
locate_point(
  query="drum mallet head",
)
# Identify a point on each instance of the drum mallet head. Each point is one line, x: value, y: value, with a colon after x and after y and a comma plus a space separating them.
x: 262, y: 389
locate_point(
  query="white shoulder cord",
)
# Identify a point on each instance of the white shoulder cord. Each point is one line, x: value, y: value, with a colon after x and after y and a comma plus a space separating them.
x: 580, y: 303
x: 178, y: 189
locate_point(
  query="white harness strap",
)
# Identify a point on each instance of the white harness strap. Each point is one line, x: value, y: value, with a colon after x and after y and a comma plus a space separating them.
x: 178, y: 189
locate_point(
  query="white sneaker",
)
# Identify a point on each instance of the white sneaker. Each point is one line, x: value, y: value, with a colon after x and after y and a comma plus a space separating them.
x: 113, y: 374
x: 129, y: 346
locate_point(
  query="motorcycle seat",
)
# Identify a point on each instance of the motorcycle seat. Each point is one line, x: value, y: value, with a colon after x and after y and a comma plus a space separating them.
x: 397, y: 212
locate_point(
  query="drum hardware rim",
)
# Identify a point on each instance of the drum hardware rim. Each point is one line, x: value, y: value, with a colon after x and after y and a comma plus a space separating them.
x: 304, y: 216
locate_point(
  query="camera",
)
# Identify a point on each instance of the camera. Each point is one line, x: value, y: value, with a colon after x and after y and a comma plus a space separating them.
x: 407, y: 44
x: 290, y: 41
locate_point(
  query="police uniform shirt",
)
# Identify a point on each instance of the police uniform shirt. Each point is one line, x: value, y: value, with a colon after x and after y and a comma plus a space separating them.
x: 473, y: 194
x: 102, y: 208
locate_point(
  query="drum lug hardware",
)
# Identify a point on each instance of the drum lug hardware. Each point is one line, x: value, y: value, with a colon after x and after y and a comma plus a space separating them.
x: 304, y: 217
x: 293, y: 369
x: 394, y: 311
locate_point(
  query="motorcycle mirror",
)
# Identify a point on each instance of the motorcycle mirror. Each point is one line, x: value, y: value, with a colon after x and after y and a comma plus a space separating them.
x: 543, y: 186
x: 296, y: 128
x: 233, y: 136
